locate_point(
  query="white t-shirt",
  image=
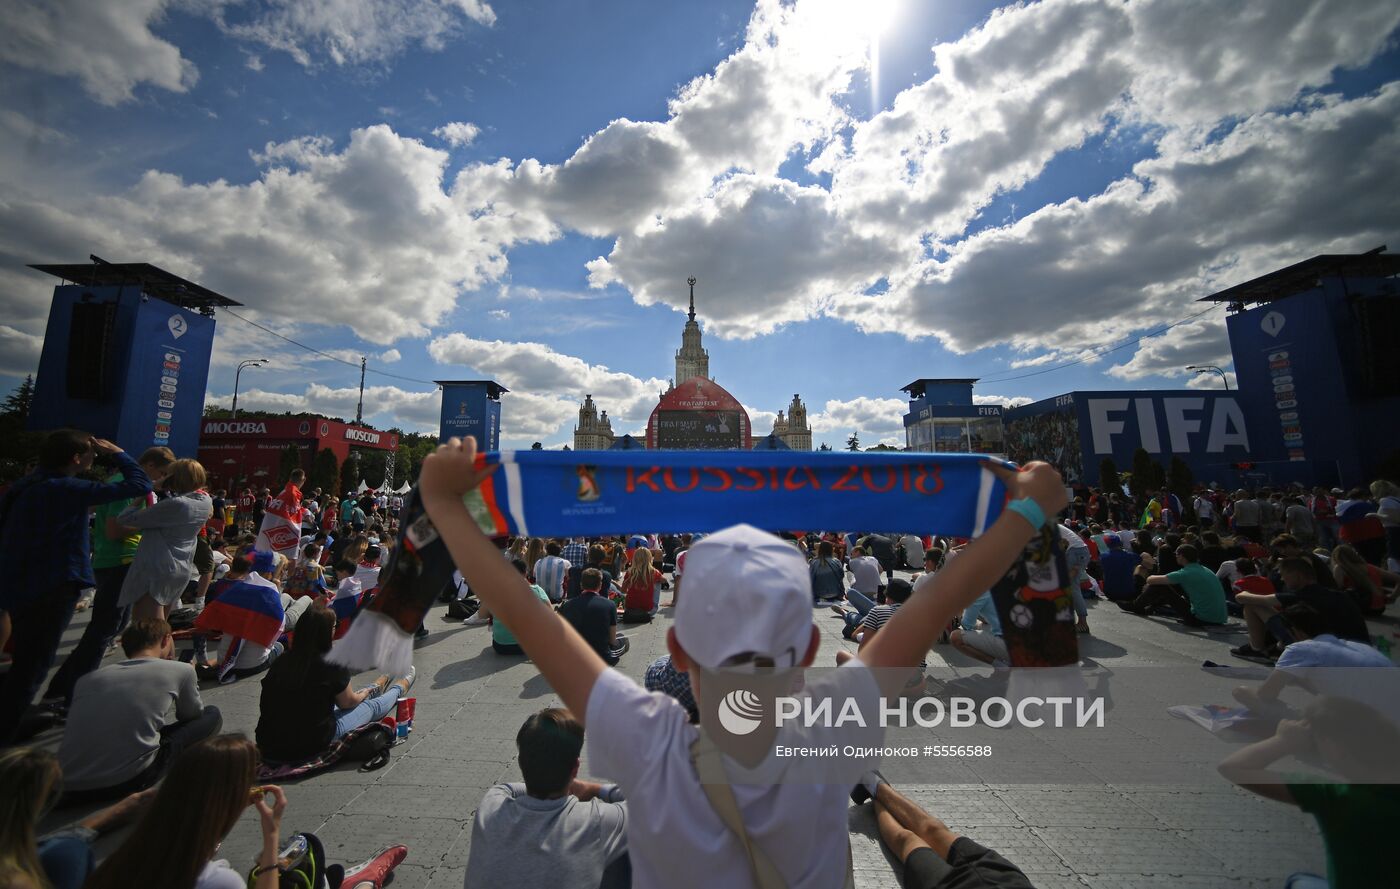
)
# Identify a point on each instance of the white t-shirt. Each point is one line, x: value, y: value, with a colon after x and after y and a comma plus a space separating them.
x: 1070, y: 538
x: 350, y: 586
x: 642, y: 741
x: 868, y: 576
x: 1343, y: 668
x: 367, y: 576
x: 219, y: 875
x: 1205, y: 509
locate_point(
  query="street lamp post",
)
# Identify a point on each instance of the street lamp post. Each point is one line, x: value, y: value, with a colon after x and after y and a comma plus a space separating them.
x: 252, y: 362
x: 1211, y: 369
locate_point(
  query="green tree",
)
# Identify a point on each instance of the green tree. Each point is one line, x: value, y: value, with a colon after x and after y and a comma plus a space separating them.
x: 325, y: 471
x: 1180, y: 481
x: 537, y: 446
x: 824, y: 447
x: 1140, y: 481
x: 1108, y: 476
x: 291, y: 459
x: 350, y: 473
x: 1156, y: 475
x: 853, y: 442
x: 17, y: 403
x: 403, y: 466
x: 372, y: 464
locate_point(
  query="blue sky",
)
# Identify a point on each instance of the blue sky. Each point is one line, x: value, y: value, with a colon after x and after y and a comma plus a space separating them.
x: 868, y: 192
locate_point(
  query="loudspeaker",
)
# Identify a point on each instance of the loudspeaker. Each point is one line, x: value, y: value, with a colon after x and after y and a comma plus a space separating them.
x: 89, y: 349
x: 1378, y: 318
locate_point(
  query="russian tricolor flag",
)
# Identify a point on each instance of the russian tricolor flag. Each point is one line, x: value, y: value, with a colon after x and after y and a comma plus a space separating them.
x: 249, y: 609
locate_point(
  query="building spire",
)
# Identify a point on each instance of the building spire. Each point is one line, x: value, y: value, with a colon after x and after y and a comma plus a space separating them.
x: 691, y: 282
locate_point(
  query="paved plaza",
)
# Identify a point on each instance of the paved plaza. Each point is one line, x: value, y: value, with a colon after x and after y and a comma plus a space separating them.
x: 1135, y: 805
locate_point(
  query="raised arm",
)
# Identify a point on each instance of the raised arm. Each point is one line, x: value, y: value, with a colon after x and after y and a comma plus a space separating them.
x: 938, y: 598
x: 134, y: 483
x: 566, y: 660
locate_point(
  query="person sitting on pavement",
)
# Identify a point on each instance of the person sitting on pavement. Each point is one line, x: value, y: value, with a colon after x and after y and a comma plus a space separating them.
x: 119, y: 738
x: 551, y: 570
x: 553, y: 829
x: 1192, y: 591
x: 828, y: 577
x: 1286, y: 546
x: 1118, y: 565
x: 306, y: 577
x: 662, y: 676
x: 210, y: 786
x: 1322, y: 664
x: 594, y: 617
x: 932, y: 854
x: 367, y: 571
x: 1356, y: 814
x: 61, y: 859
x: 597, y: 556
x: 862, y: 606
x: 864, y: 630
x: 745, y: 621
x: 641, y: 589
x: 502, y: 640
x: 986, y: 645
x: 242, y: 657
x: 1371, y: 588
x: 866, y: 577
x: 1341, y: 617
x: 307, y: 702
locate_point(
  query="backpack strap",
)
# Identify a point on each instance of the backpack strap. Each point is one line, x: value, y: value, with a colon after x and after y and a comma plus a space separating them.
x: 714, y: 781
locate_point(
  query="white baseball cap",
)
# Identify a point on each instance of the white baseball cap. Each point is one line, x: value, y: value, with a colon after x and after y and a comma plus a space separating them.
x: 746, y: 592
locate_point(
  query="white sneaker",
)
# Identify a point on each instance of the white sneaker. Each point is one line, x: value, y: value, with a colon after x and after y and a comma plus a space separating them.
x: 476, y: 620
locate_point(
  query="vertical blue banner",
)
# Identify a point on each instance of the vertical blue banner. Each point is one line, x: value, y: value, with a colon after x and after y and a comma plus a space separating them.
x: 166, y: 375
x: 470, y: 407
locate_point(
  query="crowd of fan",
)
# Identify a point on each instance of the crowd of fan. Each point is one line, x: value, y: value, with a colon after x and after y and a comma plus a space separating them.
x: 1303, y: 569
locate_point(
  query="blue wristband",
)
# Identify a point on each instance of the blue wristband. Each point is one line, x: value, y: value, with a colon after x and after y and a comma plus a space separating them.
x: 1029, y: 510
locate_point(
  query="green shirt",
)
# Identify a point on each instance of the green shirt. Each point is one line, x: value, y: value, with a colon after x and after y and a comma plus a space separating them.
x: 107, y: 553
x: 1204, y: 590
x: 1358, y: 826
x: 500, y: 633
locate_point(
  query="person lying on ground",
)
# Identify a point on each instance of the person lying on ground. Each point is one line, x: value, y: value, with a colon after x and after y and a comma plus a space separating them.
x: 932, y: 854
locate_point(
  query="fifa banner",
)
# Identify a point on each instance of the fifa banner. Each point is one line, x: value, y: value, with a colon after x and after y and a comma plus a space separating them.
x: 576, y: 494
x: 281, y: 524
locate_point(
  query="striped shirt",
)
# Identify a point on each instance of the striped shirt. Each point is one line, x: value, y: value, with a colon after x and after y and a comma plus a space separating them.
x: 549, y: 574
x: 878, y: 616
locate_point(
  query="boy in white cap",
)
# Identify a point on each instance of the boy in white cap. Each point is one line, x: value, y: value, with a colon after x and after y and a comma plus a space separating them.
x: 745, y: 623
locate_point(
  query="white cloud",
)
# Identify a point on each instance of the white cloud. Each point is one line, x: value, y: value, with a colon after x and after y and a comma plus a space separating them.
x: 389, y: 356
x: 1277, y: 188
x: 1198, y: 342
x: 349, y: 32
x: 457, y: 134
x: 869, y: 416
x: 537, y: 368
x: 19, y: 351
x: 108, y: 46
x: 1003, y: 400
x: 388, y: 249
x: 749, y: 285
x: 387, y: 405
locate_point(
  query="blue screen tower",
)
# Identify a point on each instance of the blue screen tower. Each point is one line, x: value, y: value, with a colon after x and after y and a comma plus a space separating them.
x: 472, y: 407
x: 126, y: 355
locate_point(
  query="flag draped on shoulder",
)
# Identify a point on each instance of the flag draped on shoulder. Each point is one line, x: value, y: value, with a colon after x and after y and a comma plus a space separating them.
x: 281, y: 524
x: 249, y: 608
